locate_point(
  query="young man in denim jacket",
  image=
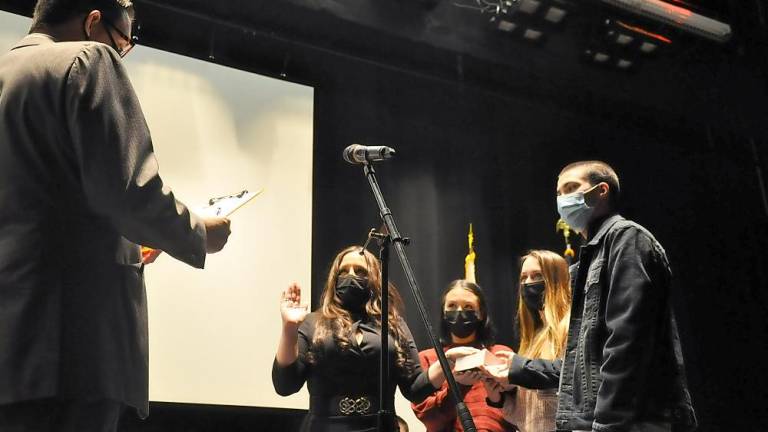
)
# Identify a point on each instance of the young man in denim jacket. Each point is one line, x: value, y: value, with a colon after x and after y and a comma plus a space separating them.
x: 623, y: 369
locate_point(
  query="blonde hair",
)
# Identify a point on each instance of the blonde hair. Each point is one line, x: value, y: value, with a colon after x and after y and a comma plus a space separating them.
x: 549, y: 340
x: 336, y: 322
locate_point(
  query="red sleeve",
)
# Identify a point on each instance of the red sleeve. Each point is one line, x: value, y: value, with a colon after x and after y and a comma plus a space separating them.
x: 437, y: 411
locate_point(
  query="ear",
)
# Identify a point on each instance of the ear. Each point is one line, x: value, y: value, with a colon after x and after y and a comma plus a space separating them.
x: 605, y: 189
x: 598, y: 194
x: 93, y: 18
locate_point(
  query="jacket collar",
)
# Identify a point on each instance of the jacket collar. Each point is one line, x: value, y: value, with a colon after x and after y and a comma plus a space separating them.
x: 609, y: 222
x: 33, y: 39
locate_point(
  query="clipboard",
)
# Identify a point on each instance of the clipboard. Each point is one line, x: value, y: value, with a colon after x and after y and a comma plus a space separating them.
x: 217, y: 207
x: 226, y: 205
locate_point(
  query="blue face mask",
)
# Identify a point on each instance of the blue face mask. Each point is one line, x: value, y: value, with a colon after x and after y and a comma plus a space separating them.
x: 574, y: 210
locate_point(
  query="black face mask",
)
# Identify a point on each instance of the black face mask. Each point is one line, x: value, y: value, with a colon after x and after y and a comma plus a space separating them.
x: 353, y: 292
x: 461, y: 323
x: 533, y: 296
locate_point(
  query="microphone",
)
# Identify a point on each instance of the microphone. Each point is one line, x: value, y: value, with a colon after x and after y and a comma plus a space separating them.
x: 360, y: 154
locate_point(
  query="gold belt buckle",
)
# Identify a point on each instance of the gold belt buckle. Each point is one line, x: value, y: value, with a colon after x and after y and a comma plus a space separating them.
x: 349, y: 406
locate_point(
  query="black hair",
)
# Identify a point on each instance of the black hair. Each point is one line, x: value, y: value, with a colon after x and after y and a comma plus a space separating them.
x: 600, y: 172
x: 486, y: 334
x: 54, y: 12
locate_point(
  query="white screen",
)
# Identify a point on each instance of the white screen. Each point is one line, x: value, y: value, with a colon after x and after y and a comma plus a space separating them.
x: 217, y: 130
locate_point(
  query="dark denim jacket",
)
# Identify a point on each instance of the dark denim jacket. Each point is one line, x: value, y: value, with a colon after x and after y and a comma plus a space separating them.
x: 623, y: 362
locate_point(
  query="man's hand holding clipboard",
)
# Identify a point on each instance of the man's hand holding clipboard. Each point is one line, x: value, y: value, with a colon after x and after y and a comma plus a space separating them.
x: 216, y: 215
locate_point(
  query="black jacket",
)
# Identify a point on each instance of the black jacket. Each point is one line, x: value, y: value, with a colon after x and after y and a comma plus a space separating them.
x: 79, y: 188
x: 623, y: 362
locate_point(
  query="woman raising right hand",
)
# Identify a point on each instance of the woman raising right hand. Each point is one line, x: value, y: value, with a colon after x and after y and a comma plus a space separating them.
x: 336, y: 348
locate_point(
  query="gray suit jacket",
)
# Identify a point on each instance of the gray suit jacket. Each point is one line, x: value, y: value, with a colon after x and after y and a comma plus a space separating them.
x: 79, y: 189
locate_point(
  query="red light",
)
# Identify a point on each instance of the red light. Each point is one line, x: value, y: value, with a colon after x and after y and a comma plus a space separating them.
x: 644, y: 32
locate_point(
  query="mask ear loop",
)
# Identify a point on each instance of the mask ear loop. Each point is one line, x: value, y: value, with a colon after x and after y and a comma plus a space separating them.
x: 589, y: 191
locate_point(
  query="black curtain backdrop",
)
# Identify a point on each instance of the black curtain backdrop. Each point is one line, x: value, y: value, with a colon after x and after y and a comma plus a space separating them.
x: 468, y: 156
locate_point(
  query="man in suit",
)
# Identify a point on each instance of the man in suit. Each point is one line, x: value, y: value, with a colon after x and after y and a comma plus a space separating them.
x: 79, y: 190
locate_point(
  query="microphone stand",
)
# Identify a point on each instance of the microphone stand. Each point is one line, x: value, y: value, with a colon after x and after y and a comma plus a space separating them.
x: 393, y: 237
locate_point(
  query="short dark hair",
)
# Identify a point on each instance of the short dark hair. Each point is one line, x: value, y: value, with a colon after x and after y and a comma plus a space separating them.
x: 599, y: 172
x: 54, y: 12
x: 486, y: 334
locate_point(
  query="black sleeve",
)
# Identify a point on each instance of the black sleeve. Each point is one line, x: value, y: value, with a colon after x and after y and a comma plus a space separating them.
x: 413, y: 380
x: 289, y: 379
x: 535, y: 373
x: 637, y: 295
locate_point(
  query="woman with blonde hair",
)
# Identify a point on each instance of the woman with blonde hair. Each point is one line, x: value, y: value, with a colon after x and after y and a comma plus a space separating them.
x: 336, y: 348
x: 526, y: 385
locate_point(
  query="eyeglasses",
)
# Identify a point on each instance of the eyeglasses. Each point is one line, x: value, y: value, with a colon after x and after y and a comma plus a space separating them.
x: 129, y: 42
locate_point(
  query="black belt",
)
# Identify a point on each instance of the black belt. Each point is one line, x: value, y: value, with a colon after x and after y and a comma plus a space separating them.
x: 344, y: 405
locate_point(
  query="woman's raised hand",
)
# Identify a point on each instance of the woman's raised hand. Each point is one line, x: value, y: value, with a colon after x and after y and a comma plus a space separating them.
x: 291, y: 309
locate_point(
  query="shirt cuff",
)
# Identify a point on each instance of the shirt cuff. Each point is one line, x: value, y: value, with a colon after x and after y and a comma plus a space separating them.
x: 516, y: 369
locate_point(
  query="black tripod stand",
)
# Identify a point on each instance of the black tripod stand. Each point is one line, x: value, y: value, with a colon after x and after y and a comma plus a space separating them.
x: 390, y: 238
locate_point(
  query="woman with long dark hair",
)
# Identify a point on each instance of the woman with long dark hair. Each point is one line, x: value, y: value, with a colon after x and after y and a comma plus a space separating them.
x: 336, y: 348
x: 465, y: 322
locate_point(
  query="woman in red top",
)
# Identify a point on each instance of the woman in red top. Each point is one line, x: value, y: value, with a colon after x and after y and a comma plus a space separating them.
x: 465, y: 322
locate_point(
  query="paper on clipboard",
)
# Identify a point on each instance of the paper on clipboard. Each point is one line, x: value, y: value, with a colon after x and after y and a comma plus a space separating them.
x: 228, y: 204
